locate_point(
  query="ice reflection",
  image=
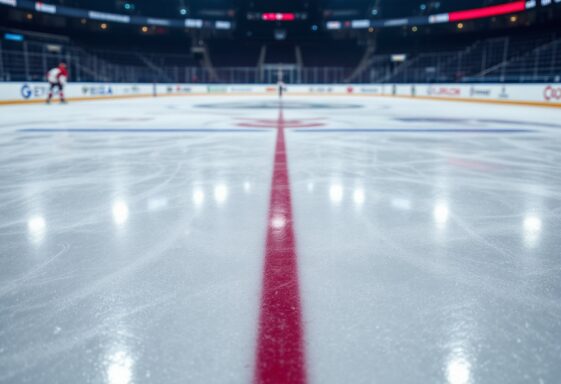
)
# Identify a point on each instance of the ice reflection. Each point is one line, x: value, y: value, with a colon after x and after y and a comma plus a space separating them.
x: 460, y: 359
x: 359, y: 197
x: 119, y: 368
x: 220, y: 194
x: 336, y: 193
x: 157, y: 204
x: 532, y: 224
x: 278, y: 222
x: 441, y: 214
x: 120, y: 212
x: 198, y: 197
x: 37, y: 227
x: 247, y: 187
x: 311, y: 187
x: 532, y: 230
x: 458, y: 370
x: 402, y: 204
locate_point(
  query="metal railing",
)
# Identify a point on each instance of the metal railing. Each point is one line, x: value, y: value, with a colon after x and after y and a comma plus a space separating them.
x: 535, y: 59
x: 30, y: 61
x: 494, y: 60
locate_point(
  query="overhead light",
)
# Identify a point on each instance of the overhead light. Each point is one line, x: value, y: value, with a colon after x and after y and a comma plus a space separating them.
x: 14, y: 37
x: 278, y: 17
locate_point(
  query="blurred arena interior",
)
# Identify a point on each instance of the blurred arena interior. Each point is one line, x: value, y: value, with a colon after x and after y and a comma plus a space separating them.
x: 314, y: 42
x: 343, y: 191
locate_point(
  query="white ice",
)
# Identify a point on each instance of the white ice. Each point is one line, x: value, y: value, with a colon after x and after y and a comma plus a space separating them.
x: 429, y: 255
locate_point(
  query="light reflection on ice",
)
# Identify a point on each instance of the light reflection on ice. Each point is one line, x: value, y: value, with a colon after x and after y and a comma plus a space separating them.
x: 221, y: 194
x: 278, y: 222
x: 359, y: 197
x: 311, y: 187
x: 532, y: 230
x: 336, y: 193
x: 119, y: 368
x: 37, y: 227
x: 157, y: 204
x: 401, y: 204
x: 198, y: 197
x: 532, y: 224
x: 441, y: 214
x: 120, y: 212
x: 458, y: 370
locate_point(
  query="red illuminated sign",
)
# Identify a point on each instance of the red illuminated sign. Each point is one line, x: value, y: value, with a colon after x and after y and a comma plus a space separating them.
x: 495, y: 10
x: 278, y: 17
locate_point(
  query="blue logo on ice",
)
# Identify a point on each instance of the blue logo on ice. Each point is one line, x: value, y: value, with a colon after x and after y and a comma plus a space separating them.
x: 26, y: 91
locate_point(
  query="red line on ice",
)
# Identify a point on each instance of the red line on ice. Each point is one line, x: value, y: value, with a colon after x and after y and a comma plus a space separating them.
x: 280, y: 345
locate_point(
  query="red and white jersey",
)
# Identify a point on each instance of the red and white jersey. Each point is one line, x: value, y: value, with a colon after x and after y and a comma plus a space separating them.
x: 57, y: 75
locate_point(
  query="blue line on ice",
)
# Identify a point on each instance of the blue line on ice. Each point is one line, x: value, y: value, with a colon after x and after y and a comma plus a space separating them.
x: 413, y: 130
x: 132, y: 130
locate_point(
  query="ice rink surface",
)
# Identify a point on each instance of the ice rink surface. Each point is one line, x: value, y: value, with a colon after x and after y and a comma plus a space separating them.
x: 133, y: 237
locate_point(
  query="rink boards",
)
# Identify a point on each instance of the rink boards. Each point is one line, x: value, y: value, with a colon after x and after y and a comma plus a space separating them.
x: 531, y: 94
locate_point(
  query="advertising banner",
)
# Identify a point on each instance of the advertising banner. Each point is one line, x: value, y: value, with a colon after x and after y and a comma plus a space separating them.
x: 532, y: 94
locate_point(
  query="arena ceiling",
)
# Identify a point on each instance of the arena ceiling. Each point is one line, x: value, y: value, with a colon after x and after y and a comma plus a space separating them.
x: 363, y: 8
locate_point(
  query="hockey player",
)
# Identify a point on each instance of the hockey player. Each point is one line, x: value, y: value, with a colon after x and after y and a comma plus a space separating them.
x: 281, y: 85
x: 282, y: 88
x: 57, y: 78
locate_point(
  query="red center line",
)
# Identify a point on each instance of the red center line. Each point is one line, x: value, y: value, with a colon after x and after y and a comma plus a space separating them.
x: 280, y: 347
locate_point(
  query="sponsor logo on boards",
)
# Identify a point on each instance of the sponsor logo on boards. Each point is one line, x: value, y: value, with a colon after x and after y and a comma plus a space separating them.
x: 504, y: 93
x: 217, y: 89
x: 180, y: 89
x: 551, y: 93
x: 33, y: 91
x: 475, y: 91
x: 241, y: 89
x: 371, y: 90
x: 321, y: 89
x: 133, y: 90
x: 444, y: 91
x: 97, y: 90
